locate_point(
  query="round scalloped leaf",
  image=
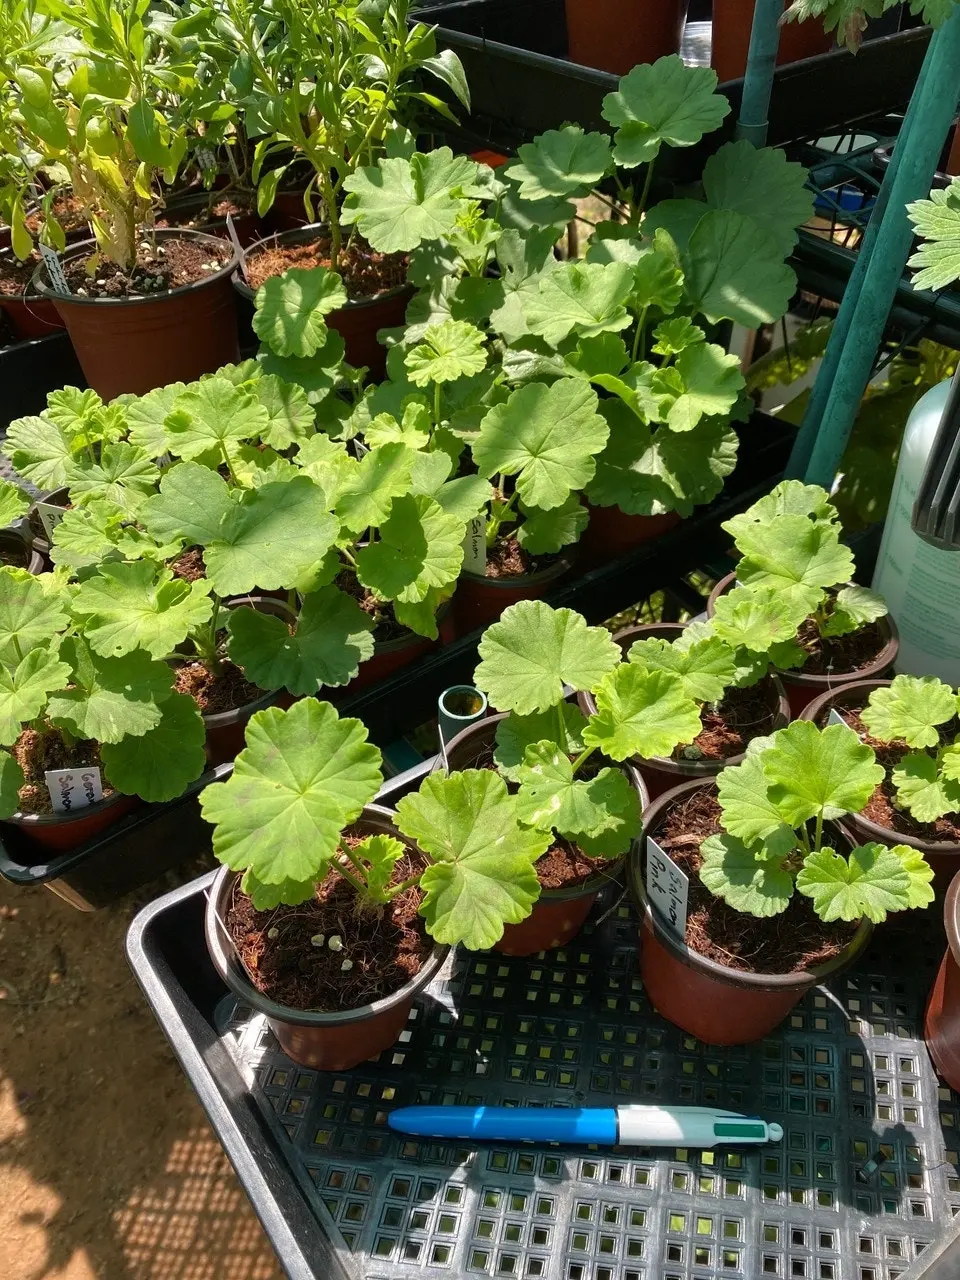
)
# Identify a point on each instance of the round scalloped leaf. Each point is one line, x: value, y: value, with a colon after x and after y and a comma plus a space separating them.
x: 733, y: 270
x: 547, y: 532
x: 332, y: 636
x: 854, y: 607
x: 871, y: 882
x: 192, y: 506
x: 910, y: 710
x: 789, y: 498
x: 533, y: 651
x: 38, y: 451
x: 147, y: 415
x: 561, y: 162
x: 756, y: 618
x: 366, y: 492
x: 712, y: 381
x: 825, y: 773
x: 402, y: 202
x: 420, y: 548
x: 666, y: 102
x: 291, y: 307
x: 641, y: 713
x: 24, y: 690
x: 743, y: 790
x: 111, y: 698
x: 138, y: 606
x: 923, y: 791
x: 551, y: 798
x: 14, y: 503
x: 547, y: 436
x: 28, y: 615
x: 290, y: 415
x: 161, y: 763
x: 213, y: 415
x: 303, y: 776
x: 11, y: 780
x: 745, y: 878
x: 763, y: 184
x: 482, y: 874
x: 124, y: 475
x: 447, y: 351
x: 705, y: 668
x: 562, y: 724
x: 584, y: 297
x: 796, y: 558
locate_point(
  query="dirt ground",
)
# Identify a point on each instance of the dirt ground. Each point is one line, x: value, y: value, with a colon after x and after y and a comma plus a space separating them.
x: 108, y: 1168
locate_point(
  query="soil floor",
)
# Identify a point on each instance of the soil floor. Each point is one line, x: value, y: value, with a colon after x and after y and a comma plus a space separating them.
x: 108, y: 1167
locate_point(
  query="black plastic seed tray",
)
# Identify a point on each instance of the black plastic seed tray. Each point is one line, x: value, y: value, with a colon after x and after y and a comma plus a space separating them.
x: 28, y: 370
x: 864, y: 1182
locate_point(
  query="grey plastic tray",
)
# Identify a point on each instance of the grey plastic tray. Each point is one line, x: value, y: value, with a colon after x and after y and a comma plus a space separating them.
x: 865, y: 1180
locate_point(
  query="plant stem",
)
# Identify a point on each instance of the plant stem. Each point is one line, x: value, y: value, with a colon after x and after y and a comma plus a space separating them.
x: 637, y: 211
x: 226, y: 458
x: 638, y: 336
x: 805, y: 839
x: 352, y: 879
x: 402, y: 886
x: 582, y: 758
x: 818, y: 833
x: 436, y: 404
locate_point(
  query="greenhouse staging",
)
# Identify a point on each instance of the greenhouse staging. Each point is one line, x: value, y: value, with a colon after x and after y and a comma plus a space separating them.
x: 479, y: 660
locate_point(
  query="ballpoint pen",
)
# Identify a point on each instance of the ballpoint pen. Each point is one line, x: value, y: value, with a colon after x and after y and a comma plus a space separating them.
x: 631, y: 1125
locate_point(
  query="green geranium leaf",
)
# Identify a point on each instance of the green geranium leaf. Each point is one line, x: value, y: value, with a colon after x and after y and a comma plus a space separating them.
x: 711, y: 383
x: 419, y: 548
x: 553, y: 800
x: 327, y: 463
x: 24, y: 690
x: 146, y: 417
x: 160, y: 764
x: 267, y: 896
x: 582, y: 297
x: 316, y: 375
x: 138, y: 606
x: 402, y: 202
x: 705, y: 668
x: 749, y: 813
x: 11, y: 780
x: 413, y: 431
x: 14, y: 503
x: 111, y: 698
x: 28, y: 615
x: 665, y: 102
x: 789, y: 498
x: 39, y: 452
x: 290, y: 414
x: 923, y: 791
x: 657, y: 277
x: 733, y: 270
x: 332, y: 636
x: 921, y: 892
x: 745, y: 878
x: 464, y: 497
x: 124, y: 475
x: 303, y: 776
x: 763, y: 184
x: 533, y: 651
x: 756, y: 618
x: 950, y: 762
x: 676, y: 335
x: 819, y: 773
x: 291, y: 307
x: 367, y: 492
x: 379, y: 855
x: 561, y: 162
x: 192, y: 506
x: 641, y: 713
x: 854, y: 607
x: 446, y: 352
x: 214, y: 416
x: 871, y: 882
x: 546, y: 436
x: 562, y: 724
x: 910, y: 710
x: 937, y: 223
x: 482, y: 875
x: 797, y: 558
x: 546, y: 532
x: 603, y: 353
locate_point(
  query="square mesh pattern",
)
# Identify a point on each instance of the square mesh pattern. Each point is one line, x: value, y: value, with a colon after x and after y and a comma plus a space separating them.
x: 865, y: 1178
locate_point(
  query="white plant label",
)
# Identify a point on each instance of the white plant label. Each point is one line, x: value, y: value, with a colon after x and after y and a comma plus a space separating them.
x: 51, y: 261
x: 73, y: 788
x: 50, y: 516
x: 835, y: 718
x: 235, y: 239
x: 475, y: 546
x: 667, y: 888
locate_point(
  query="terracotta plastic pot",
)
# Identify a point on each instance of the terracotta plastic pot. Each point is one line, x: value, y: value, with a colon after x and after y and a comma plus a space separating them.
x: 615, y: 35
x: 942, y: 855
x: 358, y: 323
x: 611, y: 532
x: 287, y: 213
x: 801, y: 686
x: 558, y: 914
x: 62, y: 831
x: 30, y: 315
x: 394, y: 655
x: 324, y: 1041
x: 138, y: 344
x: 659, y: 773
x: 941, y: 1028
x: 481, y: 600
x: 717, y: 1005
x: 732, y: 21
x: 186, y: 208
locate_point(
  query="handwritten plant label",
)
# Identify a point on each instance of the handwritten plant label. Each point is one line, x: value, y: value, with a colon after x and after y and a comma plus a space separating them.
x: 51, y: 260
x: 667, y: 888
x: 50, y: 516
x: 73, y: 788
x: 475, y: 546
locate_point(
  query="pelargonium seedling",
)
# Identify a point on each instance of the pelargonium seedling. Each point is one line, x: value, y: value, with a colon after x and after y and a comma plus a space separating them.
x: 918, y: 711
x: 303, y: 779
x: 776, y: 810
x: 528, y: 661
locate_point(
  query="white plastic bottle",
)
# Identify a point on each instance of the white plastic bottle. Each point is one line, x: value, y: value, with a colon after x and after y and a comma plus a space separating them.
x: 920, y: 583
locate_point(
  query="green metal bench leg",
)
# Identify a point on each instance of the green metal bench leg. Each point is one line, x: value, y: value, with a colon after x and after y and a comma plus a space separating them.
x: 866, y: 304
x: 761, y: 64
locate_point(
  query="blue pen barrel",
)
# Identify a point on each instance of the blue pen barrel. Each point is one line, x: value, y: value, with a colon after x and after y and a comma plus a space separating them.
x: 509, y: 1124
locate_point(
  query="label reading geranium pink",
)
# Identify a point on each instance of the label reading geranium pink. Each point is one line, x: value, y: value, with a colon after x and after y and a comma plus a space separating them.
x: 72, y: 789
x: 667, y: 888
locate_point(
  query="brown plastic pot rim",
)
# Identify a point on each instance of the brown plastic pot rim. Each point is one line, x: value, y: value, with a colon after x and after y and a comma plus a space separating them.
x: 561, y: 565
x: 231, y: 970
x: 61, y: 819
x: 225, y: 719
x: 160, y: 233
x: 693, y: 959
x: 951, y: 918
x: 301, y: 235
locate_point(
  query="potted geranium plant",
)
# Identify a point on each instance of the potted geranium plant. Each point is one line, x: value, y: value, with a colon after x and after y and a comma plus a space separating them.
x: 569, y: 768
x: 345, y: 910
x: 66, y: 706
x: 794, y: 566
x: 912, y: 725
x: 142, y: 307
x: 777, y: 899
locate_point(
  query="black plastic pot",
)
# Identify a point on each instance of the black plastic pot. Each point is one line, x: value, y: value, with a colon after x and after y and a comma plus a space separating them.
x: 192, y: 207
x: 15, y: 549
x: 29, y: 370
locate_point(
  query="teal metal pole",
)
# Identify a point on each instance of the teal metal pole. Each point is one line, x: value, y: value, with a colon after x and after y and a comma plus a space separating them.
x: 858, y: 331
x: 761, y: 64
